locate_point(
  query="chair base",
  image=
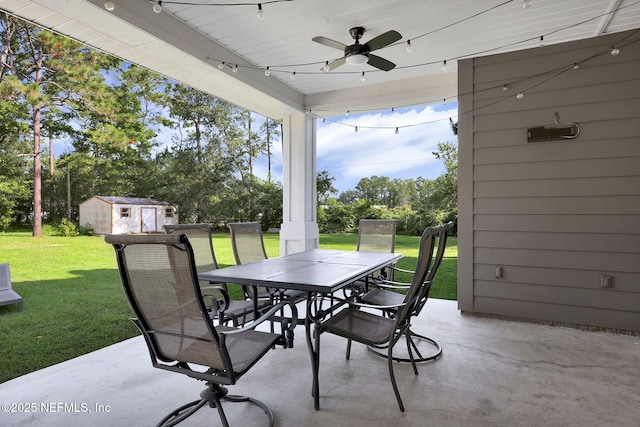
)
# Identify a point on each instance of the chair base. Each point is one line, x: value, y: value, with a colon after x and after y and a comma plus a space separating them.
x: 214, y: 395
x: 418, y: 357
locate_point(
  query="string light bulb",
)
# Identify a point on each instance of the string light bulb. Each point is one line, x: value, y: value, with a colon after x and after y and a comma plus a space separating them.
x: 576, y: 66
x: 520, y: 95
x: 260, y: 14
x: 409, y: 46
x: 615, y: 51
x: 157, y: 8
x: 267, y: 72
x: 221, y: 66
x: 109, y: 5
x: 356, y: 129
x: 326, y: 67
x: 397, y: 131
x: 541, y: 41
x: 444, y: 67
x: 505, y: 88
x: 292, y: 76
x: 526, y: 4
x: 235, y: 68
x: 362, y: 77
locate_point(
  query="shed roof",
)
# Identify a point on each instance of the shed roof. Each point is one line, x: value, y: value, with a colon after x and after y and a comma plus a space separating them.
x: 131, y: 200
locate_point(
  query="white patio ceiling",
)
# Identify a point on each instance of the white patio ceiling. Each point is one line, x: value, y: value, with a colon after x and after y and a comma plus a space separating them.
x: 189, y: 39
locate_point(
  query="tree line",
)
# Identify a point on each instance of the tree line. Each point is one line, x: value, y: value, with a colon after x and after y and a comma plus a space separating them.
x: 110, y: 116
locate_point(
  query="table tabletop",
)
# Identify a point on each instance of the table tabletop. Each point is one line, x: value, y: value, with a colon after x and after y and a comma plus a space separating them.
x: 317, y: 270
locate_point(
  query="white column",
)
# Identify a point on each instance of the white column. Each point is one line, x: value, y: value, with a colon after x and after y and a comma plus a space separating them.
x: 299, y: 231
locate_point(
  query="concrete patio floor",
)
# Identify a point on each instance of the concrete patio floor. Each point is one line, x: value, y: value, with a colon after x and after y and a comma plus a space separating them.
x: 493, y: 372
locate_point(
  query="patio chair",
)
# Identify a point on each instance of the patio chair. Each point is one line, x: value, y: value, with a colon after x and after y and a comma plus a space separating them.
x: 377, y: 235
x: 248, y: 246
x: 385, y: 294
x: 7, y: 295
x: 201, y: 241
x: 374, y: 329
x: 159, y: 278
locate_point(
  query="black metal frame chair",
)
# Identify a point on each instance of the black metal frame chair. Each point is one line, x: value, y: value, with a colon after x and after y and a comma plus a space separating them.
x: 159, y: 278
x: 385, y: 294
x: 200, y: 238
x: 373, y: 328
x: 377, y: 235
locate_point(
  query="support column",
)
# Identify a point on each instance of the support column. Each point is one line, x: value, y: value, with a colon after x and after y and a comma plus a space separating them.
x: 299, y: 231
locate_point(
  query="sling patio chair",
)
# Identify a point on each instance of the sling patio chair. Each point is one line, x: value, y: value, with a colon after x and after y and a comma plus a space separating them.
x: 376, y: 235
x: 248, y: 246
x: 199, y: 235
x: 7, y: 295
x: 386, y: 294
x: 160, y: 280
x: 371, y: 327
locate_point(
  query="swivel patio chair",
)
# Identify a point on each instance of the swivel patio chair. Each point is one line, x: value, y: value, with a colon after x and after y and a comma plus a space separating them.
x: 386, y: 294
x: 7, y: 295
x: 248, y: 246
x: 374, y: 329
x: 377, y: 235
x: 199, y: 235
x: 159, y: 278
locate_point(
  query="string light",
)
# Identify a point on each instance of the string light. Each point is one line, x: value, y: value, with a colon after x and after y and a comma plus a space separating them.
x: 526, y: 4
x: 292, y: 75
x: 157, y: 8
x: 221, y: 65
x: 397, y: 131
x: 267, y: 72
x: 109, y: 5
x: 260, y: 14
x: 356, y: 129
x: 444, y: 65
x: 541, y: 41
x: 326, y: 67
x: 615, y: 51
x: 520, y: 95
x: 362, y: 77
x: 505, y: 87
x: 235, y: 68
x: 409, y: 46
x: 576, y: 66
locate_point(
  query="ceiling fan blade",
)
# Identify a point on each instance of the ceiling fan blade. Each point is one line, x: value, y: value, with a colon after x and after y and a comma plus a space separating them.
x: 328, y: 42
x: 336, y: 63
x: 383, y: 40
x: 380, y: 63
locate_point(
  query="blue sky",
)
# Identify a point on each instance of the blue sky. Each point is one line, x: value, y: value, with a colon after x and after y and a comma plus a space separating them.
x: 349, y: 156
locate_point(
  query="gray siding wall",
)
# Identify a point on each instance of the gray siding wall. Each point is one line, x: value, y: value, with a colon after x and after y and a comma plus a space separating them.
x: 555, y: 215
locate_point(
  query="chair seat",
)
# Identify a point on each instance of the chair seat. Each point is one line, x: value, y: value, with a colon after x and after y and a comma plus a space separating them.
x: 380, y: 296
x: 360, y: 326
x: 245, y: 348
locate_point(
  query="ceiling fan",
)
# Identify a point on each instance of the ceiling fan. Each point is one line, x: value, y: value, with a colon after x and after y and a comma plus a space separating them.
x: 357, y: 53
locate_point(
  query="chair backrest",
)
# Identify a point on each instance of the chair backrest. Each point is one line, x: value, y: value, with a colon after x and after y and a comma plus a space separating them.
x: 5, y: 277
x: 426, y: 268
x: 246, y: 241
x: 159, y: 278
x: 376, y: 235
x: 199, y: 236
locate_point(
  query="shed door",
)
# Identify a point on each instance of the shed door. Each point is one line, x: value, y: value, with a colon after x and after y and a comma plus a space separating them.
x: 148, y: 218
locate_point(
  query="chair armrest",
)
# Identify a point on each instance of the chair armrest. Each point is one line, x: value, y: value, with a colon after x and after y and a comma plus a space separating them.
x: 353, y: 303
x: 401, y: 270
x: 218, y: 296
x: 390, y: 284
x: 266, y: 316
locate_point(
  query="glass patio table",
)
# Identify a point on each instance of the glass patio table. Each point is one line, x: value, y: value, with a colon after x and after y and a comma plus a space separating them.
x: 319, y: 272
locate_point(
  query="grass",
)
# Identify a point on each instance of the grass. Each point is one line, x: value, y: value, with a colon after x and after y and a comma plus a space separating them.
x: 74, y: 304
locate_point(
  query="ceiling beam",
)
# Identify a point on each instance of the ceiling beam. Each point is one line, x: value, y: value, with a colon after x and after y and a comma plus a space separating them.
x: 606, y: 19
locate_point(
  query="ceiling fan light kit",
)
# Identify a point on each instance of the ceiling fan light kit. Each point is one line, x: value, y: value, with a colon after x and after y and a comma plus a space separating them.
x: 360, y: 53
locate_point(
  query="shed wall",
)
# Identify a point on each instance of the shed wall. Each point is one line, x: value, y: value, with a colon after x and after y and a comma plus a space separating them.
x: 556, y: 215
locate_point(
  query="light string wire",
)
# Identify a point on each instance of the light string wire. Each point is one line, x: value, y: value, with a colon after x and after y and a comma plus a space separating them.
x: 286, y: 69
x: 550, y: 75
x: 190, y: 3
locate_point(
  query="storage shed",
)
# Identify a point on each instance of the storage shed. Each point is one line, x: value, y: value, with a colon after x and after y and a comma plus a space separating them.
x: 118, y: 215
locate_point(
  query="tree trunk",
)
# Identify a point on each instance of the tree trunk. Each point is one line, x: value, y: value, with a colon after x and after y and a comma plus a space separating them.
x: 37, y: 175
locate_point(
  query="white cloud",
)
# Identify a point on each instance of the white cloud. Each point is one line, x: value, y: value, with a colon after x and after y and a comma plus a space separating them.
x: 351, y: 156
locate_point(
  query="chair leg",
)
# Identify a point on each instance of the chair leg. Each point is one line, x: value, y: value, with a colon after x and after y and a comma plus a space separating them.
x: 348, y: 355
x: 393, y: 377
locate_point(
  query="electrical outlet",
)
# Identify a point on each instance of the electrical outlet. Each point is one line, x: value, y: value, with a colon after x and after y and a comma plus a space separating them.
x: 606, y: 281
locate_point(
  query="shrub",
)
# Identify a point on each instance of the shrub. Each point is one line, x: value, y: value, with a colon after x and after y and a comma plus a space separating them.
x: 68, y: 228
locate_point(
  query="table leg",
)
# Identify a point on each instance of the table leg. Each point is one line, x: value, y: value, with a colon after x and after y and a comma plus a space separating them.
x: 314, y: 351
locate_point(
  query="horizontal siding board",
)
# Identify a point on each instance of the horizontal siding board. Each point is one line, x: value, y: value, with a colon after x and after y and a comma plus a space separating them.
x: 617, y: 224
x: 558, y: 150
x: 615, y: 319
x: 586, y: 205
x: 594, y: 134
x: 586, y: 279
x: 570, y: 187
x: 589, y: 242
x: 580, y: 168
x: 605, y: 261
x: 595, y: 298
x: 540, y: 112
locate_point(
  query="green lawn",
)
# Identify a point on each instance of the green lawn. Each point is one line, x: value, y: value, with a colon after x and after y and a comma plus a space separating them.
x: 73, y: 302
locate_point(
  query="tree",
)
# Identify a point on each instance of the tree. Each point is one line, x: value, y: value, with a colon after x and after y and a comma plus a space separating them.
x: 324, y: 186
